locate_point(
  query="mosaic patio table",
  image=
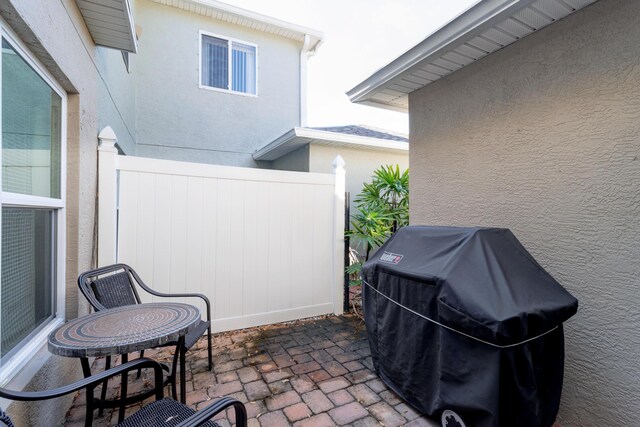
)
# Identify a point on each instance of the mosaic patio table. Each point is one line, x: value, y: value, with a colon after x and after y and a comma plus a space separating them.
x: 124, y: 330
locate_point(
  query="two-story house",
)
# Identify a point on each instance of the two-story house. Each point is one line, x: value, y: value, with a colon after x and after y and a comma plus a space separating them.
x: 210, y: 82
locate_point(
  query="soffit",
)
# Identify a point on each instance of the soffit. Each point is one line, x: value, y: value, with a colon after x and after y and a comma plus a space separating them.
x: 486, y: 27
x: 110, y: 23
x: 246, y: 18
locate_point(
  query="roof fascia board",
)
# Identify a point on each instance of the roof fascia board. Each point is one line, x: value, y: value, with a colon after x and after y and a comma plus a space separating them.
x: 475, y: 20
x: 132, y: 27
x: 320, y: 136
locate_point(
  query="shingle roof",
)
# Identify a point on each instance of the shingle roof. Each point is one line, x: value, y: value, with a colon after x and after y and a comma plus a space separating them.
x: 365, y: 131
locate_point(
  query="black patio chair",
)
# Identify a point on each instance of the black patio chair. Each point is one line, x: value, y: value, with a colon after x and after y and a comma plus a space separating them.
x: 163, y: 412
x: 115, y: 286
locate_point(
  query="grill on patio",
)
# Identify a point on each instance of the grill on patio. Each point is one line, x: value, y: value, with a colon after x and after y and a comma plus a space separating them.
x: 465, y: 319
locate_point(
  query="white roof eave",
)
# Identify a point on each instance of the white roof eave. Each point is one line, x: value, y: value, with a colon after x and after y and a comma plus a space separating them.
x: 250, y: 19
x: 381, y: 89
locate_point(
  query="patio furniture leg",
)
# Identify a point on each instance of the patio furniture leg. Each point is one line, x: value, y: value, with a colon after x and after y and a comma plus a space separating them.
x: 88, y: 421
x: 183, y: 373
x: 140, y: 370
x: 86, y: 371
x: 123, y: 390
x: 209, y: 347
x: 174, y: 370
x: 103, y: 393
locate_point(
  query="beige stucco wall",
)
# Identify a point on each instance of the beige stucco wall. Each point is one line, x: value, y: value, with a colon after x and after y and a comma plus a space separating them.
x: 543, y: 137
x: 359, y: 164
x: 56, y: 34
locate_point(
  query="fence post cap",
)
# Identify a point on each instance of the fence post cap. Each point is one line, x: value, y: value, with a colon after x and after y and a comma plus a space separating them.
x: 107, y: 140
x: 338, y: 163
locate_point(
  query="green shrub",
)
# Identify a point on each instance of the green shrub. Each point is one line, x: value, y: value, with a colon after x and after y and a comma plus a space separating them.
x: 381, y: 208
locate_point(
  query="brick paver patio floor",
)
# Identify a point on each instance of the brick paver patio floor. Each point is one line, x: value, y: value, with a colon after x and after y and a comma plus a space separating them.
x: 310, y: 373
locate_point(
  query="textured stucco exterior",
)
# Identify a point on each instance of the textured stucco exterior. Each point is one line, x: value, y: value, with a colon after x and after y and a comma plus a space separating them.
x: 116, y: 96
x: 55, y: 33
x: 176, y: 119
x: 297, y: 161
x: 543, y: 137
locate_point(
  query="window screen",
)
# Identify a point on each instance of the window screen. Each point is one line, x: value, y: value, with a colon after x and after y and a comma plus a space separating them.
x: 26, y: 298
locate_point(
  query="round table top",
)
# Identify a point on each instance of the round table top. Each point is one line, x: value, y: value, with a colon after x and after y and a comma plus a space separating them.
x: 123, y: 329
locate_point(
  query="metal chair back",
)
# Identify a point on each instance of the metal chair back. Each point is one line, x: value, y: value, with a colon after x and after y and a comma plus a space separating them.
x: 109, y: 287
x: 116, y: 285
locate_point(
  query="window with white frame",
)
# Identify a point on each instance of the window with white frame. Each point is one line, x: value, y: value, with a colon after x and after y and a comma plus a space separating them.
x: 32, y: 198
x: 228, y: 64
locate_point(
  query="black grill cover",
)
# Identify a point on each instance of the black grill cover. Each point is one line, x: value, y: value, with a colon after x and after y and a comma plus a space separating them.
x: 465, y: 319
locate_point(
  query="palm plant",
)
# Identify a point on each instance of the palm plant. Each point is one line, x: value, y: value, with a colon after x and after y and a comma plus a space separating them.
x: 388, y: 193
x: 371, y: 227
x: 382, y: 207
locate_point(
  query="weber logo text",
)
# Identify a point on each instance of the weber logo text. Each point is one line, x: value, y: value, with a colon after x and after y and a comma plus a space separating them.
x: 391, y: 258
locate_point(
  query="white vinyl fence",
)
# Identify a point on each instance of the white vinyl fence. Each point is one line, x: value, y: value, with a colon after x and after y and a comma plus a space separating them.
x: 264, y: 246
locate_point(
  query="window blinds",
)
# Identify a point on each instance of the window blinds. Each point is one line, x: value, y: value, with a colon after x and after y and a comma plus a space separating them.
x: 215, y: 62
x: 244, y: 68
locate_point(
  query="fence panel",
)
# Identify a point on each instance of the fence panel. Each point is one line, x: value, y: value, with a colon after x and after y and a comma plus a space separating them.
x: 260, y: 244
